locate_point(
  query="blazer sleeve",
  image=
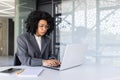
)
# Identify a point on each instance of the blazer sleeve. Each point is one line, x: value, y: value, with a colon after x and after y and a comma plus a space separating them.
x: 51, y: 56
x: 22, y: 53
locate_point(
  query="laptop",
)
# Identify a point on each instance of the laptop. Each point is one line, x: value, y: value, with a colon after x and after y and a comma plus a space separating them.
x: 74, y: 56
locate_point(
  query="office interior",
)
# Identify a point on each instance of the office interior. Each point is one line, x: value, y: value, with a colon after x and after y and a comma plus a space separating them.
x: 91, y: 22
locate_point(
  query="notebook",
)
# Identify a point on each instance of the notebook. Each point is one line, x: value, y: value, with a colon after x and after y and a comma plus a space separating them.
x: 30, y: 72
x: 74, y: 56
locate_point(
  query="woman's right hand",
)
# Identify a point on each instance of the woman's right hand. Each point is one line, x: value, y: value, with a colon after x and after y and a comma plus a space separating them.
x: 51, y: 62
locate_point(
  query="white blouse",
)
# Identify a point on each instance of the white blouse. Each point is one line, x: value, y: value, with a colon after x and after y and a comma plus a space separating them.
x: 38, y: 39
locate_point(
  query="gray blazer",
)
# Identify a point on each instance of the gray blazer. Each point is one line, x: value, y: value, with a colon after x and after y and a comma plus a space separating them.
x: 28, y: 51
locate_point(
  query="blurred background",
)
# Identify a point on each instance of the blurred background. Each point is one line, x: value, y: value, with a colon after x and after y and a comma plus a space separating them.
x: 94, y: 23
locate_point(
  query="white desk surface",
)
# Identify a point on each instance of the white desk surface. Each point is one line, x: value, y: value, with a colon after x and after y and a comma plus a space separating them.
x: 83, y: 72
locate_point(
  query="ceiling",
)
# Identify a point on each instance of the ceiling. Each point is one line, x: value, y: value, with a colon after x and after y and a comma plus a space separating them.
x: 7, y: 8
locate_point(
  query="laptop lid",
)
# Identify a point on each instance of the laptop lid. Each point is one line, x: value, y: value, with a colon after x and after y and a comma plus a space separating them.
x: 74, y: 56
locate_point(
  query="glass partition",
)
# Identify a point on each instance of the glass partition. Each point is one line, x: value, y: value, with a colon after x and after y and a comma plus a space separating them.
x: 94, y: 23
x: 23, y: 8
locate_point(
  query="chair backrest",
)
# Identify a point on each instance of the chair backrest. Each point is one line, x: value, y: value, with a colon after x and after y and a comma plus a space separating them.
x: 16, y: 60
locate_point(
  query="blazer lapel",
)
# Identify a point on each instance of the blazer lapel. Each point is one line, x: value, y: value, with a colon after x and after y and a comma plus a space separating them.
x: 34, y: 43
x: 44, y: 44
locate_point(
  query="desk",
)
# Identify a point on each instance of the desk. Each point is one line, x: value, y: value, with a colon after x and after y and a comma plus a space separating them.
x: 83, y: 72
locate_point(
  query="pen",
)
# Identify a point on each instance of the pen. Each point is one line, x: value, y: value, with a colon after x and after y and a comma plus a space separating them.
x: 19, y: 72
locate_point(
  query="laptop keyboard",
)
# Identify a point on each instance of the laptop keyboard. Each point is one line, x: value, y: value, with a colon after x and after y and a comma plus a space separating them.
x: 53, y: 67
x: 56, y: 66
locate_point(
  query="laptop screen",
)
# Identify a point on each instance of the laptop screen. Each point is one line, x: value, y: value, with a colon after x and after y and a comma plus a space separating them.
x: 74, y: 55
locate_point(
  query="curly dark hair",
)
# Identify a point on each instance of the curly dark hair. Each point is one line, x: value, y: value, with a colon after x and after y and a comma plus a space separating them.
x: 33, y: 19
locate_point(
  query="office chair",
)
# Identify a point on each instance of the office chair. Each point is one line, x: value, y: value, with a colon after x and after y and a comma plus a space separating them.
x: 16, y: 60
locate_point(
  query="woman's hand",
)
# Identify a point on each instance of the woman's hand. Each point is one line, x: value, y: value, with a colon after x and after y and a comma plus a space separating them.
x: 51, y: 62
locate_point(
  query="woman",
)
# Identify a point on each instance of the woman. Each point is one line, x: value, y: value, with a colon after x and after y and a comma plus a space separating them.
x: 34, y: 46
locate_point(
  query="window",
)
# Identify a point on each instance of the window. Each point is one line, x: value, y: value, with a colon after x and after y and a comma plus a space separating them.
x: 93, y: 22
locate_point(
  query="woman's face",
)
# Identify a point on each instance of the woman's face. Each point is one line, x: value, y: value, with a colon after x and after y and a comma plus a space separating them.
x: 42, y: 28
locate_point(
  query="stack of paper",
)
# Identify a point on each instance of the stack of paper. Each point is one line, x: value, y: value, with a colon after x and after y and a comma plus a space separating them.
x: 30, y: 72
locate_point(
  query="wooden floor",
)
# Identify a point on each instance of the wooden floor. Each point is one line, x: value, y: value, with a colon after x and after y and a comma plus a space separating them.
x: 6, y: 61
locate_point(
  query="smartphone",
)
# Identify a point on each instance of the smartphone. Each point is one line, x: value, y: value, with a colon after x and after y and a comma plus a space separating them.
x: 10, y: 70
